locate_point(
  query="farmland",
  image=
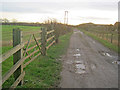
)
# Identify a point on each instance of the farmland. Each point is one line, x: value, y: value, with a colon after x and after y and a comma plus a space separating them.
x: 106, y: 34
x: 7, y: 34
x: 7, y: 41
x: 46, y: 71
x: 48, y: 44
x: 47, y: 64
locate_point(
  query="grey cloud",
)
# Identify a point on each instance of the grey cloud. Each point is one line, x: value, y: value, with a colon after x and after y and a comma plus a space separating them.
x: 94, y: 18
x: 104, y: 5
x: 25, y: 7
x: 51, y: 7
x: 90, y: 18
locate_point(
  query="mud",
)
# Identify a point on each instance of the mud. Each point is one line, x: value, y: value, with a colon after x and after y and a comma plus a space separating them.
x: 88, y: 64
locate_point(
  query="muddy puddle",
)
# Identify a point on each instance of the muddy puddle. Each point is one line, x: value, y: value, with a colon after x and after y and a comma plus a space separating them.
x: 77, y: 55
x: 77, y: 49
x: 80, y: 71
x: 105, y: 53
x: 116, y: 62
x: 80, y: 67
x: 78, y: 62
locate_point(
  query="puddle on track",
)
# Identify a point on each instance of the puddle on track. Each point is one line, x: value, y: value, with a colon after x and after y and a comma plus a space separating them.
x: 116, y: 62
x: 80, y: 71
x: 105, y: 53
x: 108, y: 54
x: 77, y: 49
x: 78, y: 62
x: 80, y: 66
x: 77, y: 55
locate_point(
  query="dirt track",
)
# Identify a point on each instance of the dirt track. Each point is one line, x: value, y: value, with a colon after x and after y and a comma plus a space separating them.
x: 88, y: 64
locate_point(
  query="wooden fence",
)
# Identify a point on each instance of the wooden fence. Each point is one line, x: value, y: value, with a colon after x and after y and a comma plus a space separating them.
x: 111, y: 37
x: 20, y: 52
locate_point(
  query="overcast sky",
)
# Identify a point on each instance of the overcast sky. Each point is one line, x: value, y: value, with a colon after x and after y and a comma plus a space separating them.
x: 79, y: 11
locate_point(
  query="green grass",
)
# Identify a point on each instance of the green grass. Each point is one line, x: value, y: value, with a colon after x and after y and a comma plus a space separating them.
x: 7, y: 34
x: 44, y: 72
x: 104, y: 42
x: 5, y: 64
x: 7, y: 30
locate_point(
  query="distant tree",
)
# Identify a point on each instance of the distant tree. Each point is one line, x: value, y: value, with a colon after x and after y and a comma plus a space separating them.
x: 14, y: 20
x: 116, y: 26
x: 5, y: 20
x: 59, y: 28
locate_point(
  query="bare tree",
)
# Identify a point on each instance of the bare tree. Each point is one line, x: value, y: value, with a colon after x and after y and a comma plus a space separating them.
x: 14, y: 20
x: 5, y: 20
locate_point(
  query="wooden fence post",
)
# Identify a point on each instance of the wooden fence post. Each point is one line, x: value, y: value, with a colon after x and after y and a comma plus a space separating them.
x: 43, y: 41
x: 111, y: 37
x: 17, y: 39
x: 56, y: 33
x: 118, y: 42
x: 107, y: 36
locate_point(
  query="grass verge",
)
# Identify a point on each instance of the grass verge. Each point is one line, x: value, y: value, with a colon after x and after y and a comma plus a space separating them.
x: 44, y: 72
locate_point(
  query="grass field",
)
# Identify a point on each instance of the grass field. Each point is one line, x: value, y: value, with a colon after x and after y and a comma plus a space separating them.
x: 7, y: 34
x: 7, y: 39
x: 42, y: 72
x: 101, y: 40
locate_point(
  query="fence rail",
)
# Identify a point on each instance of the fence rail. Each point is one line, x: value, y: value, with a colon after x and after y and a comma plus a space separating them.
x: 111, y: 37
x: 20, y: 52
x: 12, y: 51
